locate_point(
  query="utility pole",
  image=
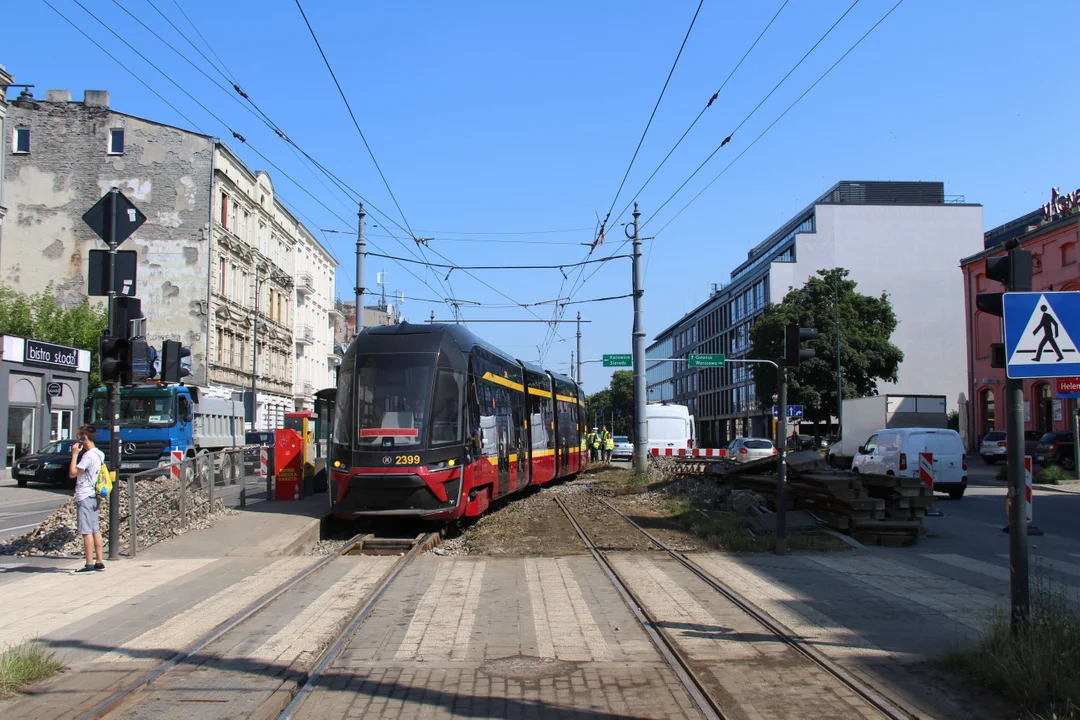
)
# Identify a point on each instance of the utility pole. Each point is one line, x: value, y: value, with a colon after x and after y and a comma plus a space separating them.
x: 572, y: 367
x: 641, y: 427
x: 360, y: 252
x: 839, y: 382
x: 255, y: 345
x: 579, y: 348
x: 781, y: 475
x: 114, y: 386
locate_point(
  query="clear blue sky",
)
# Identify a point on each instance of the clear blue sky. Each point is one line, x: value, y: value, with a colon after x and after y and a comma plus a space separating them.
x: 497, y: 117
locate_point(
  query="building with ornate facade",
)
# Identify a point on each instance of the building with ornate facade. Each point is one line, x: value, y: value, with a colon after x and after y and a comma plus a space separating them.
x: 217, y: 256
x: 317, y: 315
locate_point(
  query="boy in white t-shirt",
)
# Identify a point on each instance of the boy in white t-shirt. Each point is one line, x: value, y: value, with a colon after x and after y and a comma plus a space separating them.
x: 85, y: 472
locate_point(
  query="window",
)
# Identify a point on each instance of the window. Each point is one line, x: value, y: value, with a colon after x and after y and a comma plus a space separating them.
x: 242, y: 364
x: 262, y: 238
x: 243, y: 288
x: 221, y: 276
x: 234, y: 287
x: 232, y: 218
x: 986, y: 401
x: 244, y: 226
x: 1044, y: 420
x: 116, y: 141
x: 220, y: 345
x: 20, y: 140
x: 224, y: 210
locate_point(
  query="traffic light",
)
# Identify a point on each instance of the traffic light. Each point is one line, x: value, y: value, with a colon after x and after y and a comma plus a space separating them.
x: 114, y: 359
x: 1013, y: 270
x: 142, y: 361
x: 794, y: 336
x: 125, y: 310
x: 171, y: 355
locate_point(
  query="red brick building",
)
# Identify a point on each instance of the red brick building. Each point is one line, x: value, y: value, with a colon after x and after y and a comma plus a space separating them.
x: 1052, y: 234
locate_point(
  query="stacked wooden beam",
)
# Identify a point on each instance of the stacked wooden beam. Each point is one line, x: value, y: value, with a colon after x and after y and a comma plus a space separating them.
x: 873, y: 509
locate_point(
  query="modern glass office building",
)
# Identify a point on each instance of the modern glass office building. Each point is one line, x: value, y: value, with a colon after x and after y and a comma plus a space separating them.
x: 901, y: 238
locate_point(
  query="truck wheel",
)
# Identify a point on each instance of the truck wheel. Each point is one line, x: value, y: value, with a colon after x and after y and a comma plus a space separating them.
x: 956, y: 494
x: 204, y: 470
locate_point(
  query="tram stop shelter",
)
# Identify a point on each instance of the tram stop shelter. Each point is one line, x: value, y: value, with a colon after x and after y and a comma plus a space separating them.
x: 41, y: 390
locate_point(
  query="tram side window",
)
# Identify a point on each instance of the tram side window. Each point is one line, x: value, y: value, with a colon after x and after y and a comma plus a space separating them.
x: 342, y: 421
x: 447, y: 408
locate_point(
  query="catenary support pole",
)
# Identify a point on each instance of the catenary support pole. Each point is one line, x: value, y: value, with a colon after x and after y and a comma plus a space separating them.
x: 640, y: 422
x: 1018, y: 544
x: 114, y: 387
x: 361, y: 249
x: 255, y: 350
x: 579, y: 348
x: 839, y: 381
x: 781, y: 470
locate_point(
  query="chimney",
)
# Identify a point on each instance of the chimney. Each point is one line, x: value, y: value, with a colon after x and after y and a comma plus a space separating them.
x: 96, y: 98
x: 58, y: 96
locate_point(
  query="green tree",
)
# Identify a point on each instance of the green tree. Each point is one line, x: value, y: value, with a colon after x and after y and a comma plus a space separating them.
x: 618, y: 395
x: 866, y: 355
x: 38, y: 316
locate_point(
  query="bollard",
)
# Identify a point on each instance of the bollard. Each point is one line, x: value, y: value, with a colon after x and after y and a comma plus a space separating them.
x: 131, y: 515
x: 183, y: 492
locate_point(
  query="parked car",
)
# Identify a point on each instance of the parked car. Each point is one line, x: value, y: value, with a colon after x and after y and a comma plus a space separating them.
x: 896, y: 452
x: 1055, y: 448
x: 624, y: 449
x: 994, y: 447
x: 251, y: 455
x: 744, y: 449
x: 48, y: 465
x: 806, y: 442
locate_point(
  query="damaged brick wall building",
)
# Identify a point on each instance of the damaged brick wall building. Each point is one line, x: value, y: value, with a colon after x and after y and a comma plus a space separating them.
x: 73, y: 152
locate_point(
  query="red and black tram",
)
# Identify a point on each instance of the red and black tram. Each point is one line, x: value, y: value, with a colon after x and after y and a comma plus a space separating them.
x: 433, y: 422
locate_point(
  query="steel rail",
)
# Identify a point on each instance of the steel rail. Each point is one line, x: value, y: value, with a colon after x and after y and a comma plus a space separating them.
x: 345, y: 635
x: 114, y: 701
x: 690, y: 682
x: 879, y: 702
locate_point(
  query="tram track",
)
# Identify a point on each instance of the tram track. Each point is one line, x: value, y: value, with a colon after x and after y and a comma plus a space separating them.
x: 126, y: 700
x: 684, y: 666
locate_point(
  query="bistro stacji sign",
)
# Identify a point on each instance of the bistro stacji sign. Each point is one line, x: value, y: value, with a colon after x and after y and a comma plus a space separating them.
x: 57, y: 356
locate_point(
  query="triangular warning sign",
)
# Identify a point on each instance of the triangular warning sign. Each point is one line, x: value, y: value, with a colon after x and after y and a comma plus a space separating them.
x: 1045, y: 340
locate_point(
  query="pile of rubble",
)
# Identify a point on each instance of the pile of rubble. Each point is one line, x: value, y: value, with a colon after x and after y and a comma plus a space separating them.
x: 157, y: 518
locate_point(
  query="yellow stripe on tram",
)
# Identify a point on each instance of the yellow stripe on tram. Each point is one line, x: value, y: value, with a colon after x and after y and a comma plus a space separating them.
x: 505, y: 382
x: 539, y: 393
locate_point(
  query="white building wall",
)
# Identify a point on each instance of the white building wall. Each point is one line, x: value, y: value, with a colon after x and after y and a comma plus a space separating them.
x: 315, y: 358
x: 911, y: 253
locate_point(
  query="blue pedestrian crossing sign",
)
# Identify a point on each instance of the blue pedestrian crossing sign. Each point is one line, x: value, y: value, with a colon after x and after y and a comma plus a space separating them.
x: 1039, y: 334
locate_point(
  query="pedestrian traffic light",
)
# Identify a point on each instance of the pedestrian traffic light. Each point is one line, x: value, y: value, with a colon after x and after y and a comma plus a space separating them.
x: 794, y: 336
x: 171, y: 355
x: 114, y: 359
x: 1013, y: 270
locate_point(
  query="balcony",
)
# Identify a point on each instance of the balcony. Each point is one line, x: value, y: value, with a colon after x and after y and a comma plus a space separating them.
x: 305, y: 284
x: 335, y: 355
x: 307, y: 388
x: 304, y: 335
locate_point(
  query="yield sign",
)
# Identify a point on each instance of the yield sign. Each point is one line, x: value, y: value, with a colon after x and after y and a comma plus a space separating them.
x: 128, y: 217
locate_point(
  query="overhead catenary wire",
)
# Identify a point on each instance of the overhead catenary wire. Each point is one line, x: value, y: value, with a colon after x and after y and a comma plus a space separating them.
x: 225, y: 72
x: 779, y: 118
x: 502, y: 267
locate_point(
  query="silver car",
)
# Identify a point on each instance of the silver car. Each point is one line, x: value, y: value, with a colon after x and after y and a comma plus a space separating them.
x: 624, y: 449
x: 742, y: 450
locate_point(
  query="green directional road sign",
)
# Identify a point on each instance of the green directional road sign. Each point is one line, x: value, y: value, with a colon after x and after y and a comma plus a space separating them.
x: 706, y: 361
x: 619, y: 360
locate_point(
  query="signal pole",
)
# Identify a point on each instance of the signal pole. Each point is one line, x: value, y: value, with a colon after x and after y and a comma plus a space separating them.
x: 579, y: 348
x: 781, y: 474
x: 114, y: 387
x: 361, y: 247
x: 641, y: 424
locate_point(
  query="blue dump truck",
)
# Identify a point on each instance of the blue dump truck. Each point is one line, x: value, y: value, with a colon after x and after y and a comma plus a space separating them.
x: 156, y: 420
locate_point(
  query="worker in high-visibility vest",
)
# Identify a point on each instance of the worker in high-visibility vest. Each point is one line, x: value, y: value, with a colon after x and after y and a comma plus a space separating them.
x: 609, y: 444
x: 594, y: 445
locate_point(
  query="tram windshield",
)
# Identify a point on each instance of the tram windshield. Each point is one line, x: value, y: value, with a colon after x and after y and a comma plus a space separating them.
x: 404, y: 401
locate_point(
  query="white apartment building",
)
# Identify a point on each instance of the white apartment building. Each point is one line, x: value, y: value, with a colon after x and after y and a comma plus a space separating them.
x: 316, y: 316
x: 255, y: 241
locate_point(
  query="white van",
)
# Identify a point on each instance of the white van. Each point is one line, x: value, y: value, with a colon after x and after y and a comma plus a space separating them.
x: 669, y: 426
x: 896, y: 452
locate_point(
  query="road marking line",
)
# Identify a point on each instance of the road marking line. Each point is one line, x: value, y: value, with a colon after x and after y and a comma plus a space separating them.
x: 442, y: 624
x: 313, y: 628
x: 20, y: 527
x: 1060, y: 565
x: 182, y: 629
x: 971, y: 565
x: 564, y: 624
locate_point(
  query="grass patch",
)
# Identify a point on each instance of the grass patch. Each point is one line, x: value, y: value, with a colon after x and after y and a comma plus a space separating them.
x: 1051, y: 475
x: 605, y: 475
x: 1035, y: 666
x: 24, y: 664
x: 725, y: 530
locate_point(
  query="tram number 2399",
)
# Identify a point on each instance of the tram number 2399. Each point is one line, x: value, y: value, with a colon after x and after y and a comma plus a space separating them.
x: 407, y: 460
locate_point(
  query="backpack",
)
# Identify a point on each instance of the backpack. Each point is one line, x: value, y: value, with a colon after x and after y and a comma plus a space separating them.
x: 105, y: 479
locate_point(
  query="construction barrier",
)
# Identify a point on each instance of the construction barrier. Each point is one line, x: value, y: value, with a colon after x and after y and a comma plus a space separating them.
x: 177, y: 458
x: 264, y: 460
x: 689, y: 452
